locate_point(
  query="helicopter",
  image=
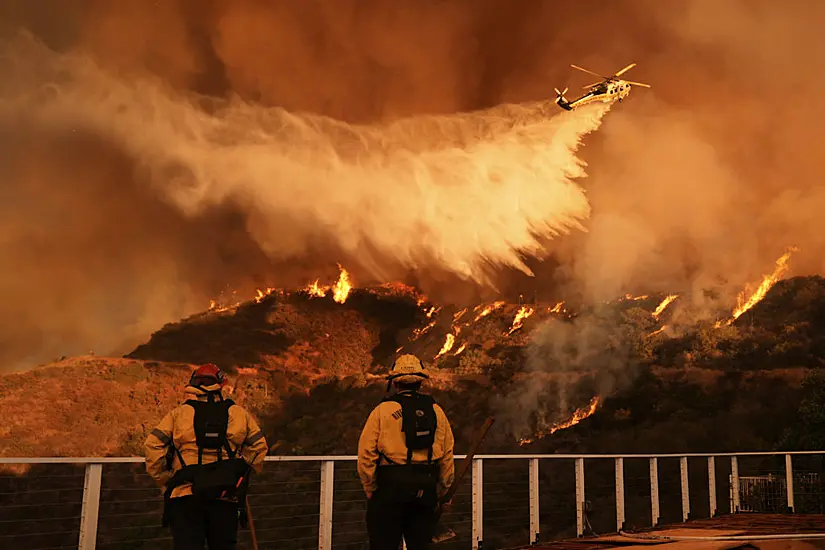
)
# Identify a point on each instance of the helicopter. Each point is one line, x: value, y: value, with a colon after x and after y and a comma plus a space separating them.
x: 608, y: 90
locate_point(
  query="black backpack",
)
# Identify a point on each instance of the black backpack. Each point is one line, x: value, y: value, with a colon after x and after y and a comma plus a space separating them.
x: 413, y: 482
x: 224, y: 478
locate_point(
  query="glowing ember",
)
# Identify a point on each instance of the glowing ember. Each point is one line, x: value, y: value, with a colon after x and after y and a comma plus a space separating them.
x: 577, y: 417
x: 658, y: 331
x: 663, y: 306
x: 635, y: 298
x: 487, y: 310
x: 417, y: 333
x: 460, y: 349
x: 744, y: 303
x: 448, y: 345
x: 216, y: 307
x: 558, y: 308
x: 432, y: 311
x: 459, y: 315
x: 522, y: 314
x: 342, y: 287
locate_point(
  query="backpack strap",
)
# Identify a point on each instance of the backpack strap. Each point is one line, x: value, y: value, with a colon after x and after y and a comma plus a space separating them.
x: 228, y: 403
x: 225, y: 404
x: 404, y: 399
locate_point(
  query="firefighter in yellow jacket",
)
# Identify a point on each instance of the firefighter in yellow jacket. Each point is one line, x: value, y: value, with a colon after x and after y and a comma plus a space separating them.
x: 202, y: 454
x: 405, y: 461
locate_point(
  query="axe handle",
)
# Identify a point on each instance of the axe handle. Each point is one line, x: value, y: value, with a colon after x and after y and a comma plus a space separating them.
x: 465, y: 465
x: 251, y: 525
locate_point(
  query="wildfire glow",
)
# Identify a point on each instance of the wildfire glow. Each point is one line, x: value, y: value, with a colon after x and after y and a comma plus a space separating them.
x: 419, y: 332
x: 578, y: 416
x: 558, y: 308
x: 340, y: 290
x: 448, y: 345
x: 215, y: 307
x: 663, y: 305
x: 744, y: 301
x: 342, y: 287
x: 261, y: 294
x: 523, y: 313
x: 315, y: 290
x: 658, y: 331
x: 487, y: 310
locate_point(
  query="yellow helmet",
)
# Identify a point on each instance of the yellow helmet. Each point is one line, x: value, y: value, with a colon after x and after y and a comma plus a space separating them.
x: 407, y: 369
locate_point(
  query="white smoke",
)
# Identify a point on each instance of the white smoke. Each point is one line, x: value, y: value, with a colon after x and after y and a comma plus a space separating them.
x: 463, y: 191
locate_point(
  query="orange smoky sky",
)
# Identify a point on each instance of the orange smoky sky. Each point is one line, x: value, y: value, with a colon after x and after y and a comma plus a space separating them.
x: 702, y: 180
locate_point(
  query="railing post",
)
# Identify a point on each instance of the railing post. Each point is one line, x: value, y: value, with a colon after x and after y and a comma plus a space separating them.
x: 579, y: 497
x: 619, y: 494
x: 90, y: 507
x: 789, y: 481
x: 478, y: 503
x: 734, y: 485
x: 712, y: 485
x: 534, y: 501
x: 654, y: 491
x: 683, y: 474
x: 325, y: 511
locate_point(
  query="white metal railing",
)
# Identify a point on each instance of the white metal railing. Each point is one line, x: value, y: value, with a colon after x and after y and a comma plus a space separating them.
x: 88, y: 528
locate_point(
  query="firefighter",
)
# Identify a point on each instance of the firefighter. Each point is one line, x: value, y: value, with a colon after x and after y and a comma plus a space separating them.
x: 202, y: 454
x: 405, y: 461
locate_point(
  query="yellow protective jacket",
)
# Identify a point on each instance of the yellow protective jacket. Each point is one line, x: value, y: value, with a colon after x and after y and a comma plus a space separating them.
x: 178, y: 428
x: 382, y: 435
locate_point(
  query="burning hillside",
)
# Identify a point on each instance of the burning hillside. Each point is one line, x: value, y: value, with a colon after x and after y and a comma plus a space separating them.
x: 544, y: 368
x: 333, y: 329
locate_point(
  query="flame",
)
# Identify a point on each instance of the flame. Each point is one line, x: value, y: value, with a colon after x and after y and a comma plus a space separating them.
x: 658, y: 331
x: 432, y: 311
x: 522, y: 314
x: 459, y: 315
x: 558, y: 308
x: 215, y: 307
x: 340, y: 290
x: 577, y: 417
x: 314, y: 289
x: 448, y: 345
x: 417, y: 333
x: 261, y: 294
x: 635, y: 298
x: 663, y: 305
x: 460, y: 349
x: 487, y: 310
x: 744, y: 303
x: 342, y: 287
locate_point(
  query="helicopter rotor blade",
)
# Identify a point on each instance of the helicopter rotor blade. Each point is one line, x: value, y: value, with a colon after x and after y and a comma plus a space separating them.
x: 642, y: 84
x: 591, y: 85
x: 588, y: 71
x: 620, y: 73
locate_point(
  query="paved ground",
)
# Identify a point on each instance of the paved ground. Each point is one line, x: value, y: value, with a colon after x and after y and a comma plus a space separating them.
x: 750, y: 530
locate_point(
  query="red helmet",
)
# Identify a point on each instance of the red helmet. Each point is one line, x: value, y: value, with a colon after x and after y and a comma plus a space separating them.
x: 207, y: 375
